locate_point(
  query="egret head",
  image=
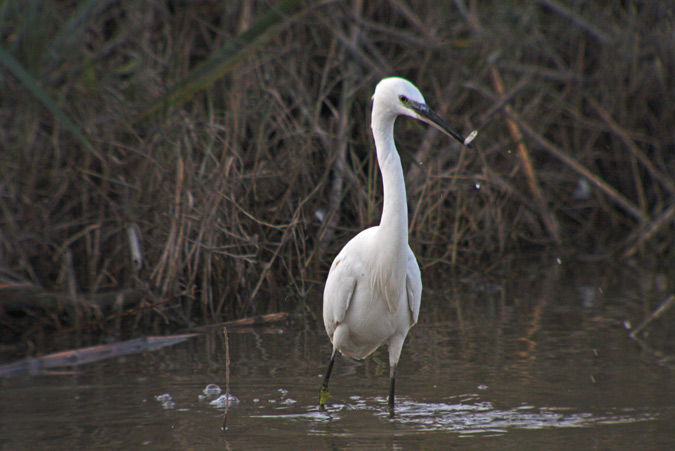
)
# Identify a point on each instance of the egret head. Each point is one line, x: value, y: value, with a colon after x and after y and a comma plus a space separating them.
x: 398, y: 97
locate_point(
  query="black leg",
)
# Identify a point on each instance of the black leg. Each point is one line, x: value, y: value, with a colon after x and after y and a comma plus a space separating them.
x: 392, y: 387
x: 323, y: 394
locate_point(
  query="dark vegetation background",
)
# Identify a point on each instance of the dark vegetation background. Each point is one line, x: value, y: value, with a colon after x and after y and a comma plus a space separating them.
x: 185, y: 162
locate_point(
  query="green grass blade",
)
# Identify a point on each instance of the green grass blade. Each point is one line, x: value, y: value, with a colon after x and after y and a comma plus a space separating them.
x: 225, y: 59
x: 15, y: 67
x: 74, y: 28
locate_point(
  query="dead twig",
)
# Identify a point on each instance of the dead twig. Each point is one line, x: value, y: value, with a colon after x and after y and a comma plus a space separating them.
x: 665, y: 180
x: 227, y: 378
x: 576, y: 20
x: 660, y: 310
x: 644, y: 233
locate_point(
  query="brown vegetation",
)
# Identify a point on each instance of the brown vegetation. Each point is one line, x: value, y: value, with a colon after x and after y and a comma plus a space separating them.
x: 211, y: 157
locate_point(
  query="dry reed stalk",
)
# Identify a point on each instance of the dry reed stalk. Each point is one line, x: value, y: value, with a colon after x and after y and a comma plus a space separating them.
x: 666, y: 181
x: 340, y: 163
x: 577, y: 20
x: 641, y: 235
x: 227, y: 379
x: 526, y: 161
x: 342, y: 134
x: 164, y: 271
x: 554, y: 150
x: 548, y: 217
x: 288, y: 229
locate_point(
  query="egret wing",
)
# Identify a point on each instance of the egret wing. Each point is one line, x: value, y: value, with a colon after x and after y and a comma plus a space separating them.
x: 338, y: 292
x: 413, y: 286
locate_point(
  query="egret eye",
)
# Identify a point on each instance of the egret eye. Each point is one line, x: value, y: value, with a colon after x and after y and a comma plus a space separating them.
x: 403, y: 99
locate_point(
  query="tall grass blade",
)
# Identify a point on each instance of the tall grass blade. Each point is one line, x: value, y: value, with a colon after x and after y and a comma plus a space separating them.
x: 73, y: 28
x: 226, y: 58
x: 15, y: 67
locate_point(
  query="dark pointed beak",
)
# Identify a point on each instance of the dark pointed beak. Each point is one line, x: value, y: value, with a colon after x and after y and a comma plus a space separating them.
x: 427, y: 115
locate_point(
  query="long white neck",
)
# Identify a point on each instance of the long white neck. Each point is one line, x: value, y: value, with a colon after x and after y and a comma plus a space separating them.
x: 394, y: 222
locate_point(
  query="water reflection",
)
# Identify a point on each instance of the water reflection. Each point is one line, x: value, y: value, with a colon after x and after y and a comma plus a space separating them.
x: 484, y: 369
x: 465, y: 418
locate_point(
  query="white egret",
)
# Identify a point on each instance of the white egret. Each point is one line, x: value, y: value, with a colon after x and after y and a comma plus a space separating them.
x: 373, y: 291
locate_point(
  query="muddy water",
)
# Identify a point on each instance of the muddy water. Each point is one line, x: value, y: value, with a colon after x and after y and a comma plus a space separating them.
x: 540, y: 358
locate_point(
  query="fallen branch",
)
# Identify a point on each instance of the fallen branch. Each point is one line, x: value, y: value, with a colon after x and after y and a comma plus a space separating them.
x: 247, y: 322
x: 74, y: 357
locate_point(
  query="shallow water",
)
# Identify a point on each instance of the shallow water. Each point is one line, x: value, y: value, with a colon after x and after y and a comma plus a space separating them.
x: 540, y: 359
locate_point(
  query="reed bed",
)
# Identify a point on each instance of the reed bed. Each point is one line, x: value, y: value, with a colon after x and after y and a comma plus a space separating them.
x: 179, y: 162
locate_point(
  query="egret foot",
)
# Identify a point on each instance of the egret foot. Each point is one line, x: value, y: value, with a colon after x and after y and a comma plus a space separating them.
x: 324, y: 392
x: 323, y: 396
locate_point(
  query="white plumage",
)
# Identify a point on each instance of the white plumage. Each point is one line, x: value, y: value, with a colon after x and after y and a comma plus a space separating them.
x: 374, y: 287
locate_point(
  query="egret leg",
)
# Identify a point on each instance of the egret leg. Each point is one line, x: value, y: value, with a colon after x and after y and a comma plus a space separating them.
x: 392, y: 377
x: 395, y: 345
x: 323, y: 394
